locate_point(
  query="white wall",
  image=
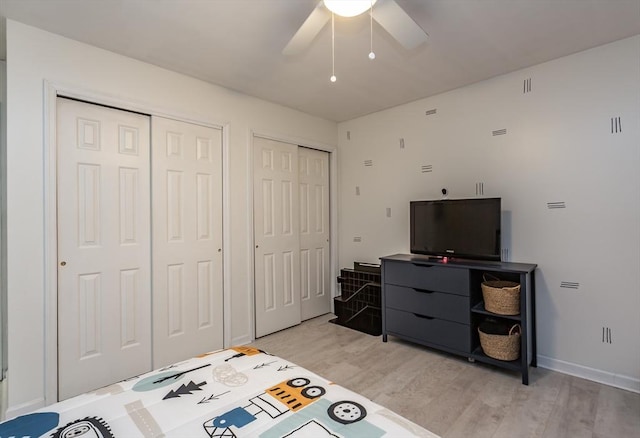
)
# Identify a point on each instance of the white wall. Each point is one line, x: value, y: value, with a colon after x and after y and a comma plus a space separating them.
x: 558, y: 147
x: 34, y: 56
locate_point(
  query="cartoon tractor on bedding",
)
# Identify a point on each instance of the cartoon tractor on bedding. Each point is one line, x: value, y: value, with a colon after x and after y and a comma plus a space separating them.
x: 309, y: 414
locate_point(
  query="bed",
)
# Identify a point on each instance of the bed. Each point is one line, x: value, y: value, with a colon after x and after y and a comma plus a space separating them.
x: 236, y: 392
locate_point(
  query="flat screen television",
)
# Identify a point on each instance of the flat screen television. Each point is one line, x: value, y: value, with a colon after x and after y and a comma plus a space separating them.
x: 460, y: 228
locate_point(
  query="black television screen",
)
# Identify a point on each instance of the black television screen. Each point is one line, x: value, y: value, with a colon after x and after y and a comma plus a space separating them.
x: 464, y: 228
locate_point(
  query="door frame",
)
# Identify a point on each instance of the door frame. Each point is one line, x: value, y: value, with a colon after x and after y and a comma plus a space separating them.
x: 333, y: 213
x: 51, y: 91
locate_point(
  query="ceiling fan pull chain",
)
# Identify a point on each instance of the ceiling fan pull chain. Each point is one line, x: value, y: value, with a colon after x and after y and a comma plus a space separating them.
x: 372, y: 55
x: 333, y: 49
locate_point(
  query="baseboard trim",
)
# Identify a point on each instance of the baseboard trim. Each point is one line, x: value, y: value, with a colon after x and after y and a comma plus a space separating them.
x: 24, y: 408
x: 617, y: 380
x: 241, y: 340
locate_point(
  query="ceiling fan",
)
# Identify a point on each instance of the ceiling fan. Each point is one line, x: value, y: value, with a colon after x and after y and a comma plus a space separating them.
x: 386, y: 12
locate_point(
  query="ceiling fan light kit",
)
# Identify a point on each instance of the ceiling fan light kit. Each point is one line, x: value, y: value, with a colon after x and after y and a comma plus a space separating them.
x: 387, y: 13
x: 348, y: 8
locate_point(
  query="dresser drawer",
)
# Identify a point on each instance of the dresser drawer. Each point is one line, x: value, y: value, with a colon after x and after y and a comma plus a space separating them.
x: 427, y: 277
x: 440, y: 305
x: 431, y: 330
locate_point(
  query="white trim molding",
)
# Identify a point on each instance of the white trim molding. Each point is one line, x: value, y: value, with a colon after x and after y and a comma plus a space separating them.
x: 226, y: 238
x: 50, y: 261
x: 24, y: 408
x: 616, y: 380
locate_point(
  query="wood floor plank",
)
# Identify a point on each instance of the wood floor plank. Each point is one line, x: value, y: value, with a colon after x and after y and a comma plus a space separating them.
x: 574, y: 410
x: 486, y: 412
x: 618, y: 413
x: 531, y: 406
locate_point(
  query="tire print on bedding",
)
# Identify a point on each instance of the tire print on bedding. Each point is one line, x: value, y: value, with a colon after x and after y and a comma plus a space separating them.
x: 89, y: 427
x: 293, y: 407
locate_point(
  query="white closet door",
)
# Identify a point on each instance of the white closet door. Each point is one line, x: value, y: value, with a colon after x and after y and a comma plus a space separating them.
x: 187, y: 240
x: 104, y: 303
x: 277, y: 240
x: 315, y: 272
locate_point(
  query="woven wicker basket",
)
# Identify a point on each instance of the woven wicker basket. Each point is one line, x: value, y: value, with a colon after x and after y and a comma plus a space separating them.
x: 501, y: 347
x: 501, y: 297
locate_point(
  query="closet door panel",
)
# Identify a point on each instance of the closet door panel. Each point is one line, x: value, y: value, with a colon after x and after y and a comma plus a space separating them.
x: 314, y: 232
x: 276, y: 234
x: 104, y: 262
x: 187, y: 240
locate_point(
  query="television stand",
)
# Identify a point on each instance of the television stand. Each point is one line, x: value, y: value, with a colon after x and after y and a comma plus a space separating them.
x: 438, y: 303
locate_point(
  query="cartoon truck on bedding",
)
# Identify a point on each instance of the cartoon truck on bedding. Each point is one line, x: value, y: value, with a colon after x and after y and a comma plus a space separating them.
x: 295, y: 408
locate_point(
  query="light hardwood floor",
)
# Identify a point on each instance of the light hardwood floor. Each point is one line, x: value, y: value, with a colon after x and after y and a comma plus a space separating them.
x: 452, y: 397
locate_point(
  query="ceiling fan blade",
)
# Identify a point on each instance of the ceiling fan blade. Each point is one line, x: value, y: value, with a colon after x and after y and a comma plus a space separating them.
x: 399, y: 24
x: 308, y: 31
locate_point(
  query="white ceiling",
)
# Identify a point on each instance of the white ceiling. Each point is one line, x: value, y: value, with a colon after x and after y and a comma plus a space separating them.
x: 238, y: 43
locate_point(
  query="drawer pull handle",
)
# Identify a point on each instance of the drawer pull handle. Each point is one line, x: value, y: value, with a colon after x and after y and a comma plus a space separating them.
x: 423, y: 316
x: 424, y: 291
x: 420, y: 265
